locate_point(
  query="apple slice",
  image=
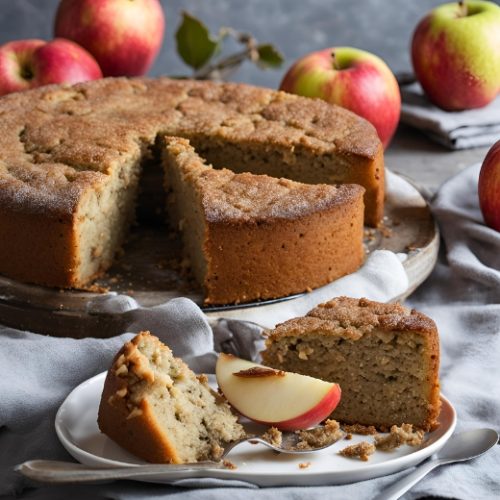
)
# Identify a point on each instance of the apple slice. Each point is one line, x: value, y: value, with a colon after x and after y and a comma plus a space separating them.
x: 286, y: 400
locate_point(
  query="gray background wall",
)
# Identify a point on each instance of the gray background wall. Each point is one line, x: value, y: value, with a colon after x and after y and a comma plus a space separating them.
x: 295, y: 26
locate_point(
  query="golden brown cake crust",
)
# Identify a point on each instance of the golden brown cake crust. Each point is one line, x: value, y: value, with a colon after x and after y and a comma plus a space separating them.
x: 350, y: 318
x: 138, y: 433
x: 55, y: 141
x: 61, y: 145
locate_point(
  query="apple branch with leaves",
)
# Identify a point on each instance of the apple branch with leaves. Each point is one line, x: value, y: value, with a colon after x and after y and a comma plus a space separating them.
x: 201, y: 50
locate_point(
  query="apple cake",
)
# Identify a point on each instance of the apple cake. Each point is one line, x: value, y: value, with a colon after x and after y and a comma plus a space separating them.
x: 244, y: 233
x: 154, y: 406
x: 71, y: 158
x: 385, y: 358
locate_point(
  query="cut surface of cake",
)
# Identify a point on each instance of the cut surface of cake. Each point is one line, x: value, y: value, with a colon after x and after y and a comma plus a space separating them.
x: 385, y: 357
x: 154, y: 406
x: 254, y: 237
x: 71, y: 157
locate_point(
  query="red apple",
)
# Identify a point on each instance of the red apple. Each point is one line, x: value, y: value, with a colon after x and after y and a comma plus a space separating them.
x: 25, y: 64
x: 123, y: 35
x: 489, y: 187
x: 455, y: 52
x: 286, y: 400
x: 353, y: 79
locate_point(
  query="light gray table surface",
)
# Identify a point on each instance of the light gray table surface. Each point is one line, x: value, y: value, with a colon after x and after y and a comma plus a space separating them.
x: 427, y: 163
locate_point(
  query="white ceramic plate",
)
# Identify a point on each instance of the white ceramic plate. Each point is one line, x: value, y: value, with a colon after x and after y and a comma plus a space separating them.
x: 76, y: 427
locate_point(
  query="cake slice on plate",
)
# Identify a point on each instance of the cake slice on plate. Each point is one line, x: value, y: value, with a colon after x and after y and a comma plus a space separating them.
x: 251, y: 237
x: 385, y: 358
x: 154, y: 406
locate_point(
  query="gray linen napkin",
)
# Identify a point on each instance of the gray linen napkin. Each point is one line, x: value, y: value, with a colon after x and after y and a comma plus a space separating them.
x: 453, y: 129
x: 181, y: 325
x: 36, y: 373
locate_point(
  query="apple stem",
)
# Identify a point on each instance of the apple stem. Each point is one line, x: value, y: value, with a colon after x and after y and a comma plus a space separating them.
x: 335, y: 63
x: 462, y: 8
x: 26, y: 73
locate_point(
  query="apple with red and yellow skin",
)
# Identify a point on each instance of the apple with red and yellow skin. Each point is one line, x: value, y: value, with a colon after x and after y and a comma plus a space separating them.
x: 351, y: 78
x: 25, y: 64
x: 124, y: 36
x: 455, y: 52
x: 285, y: 400
x: 489, y: 187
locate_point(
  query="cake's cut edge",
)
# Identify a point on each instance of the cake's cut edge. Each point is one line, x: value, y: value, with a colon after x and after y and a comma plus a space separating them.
x: 356, y: 343
x: 255, y: 237
x: 155, y: 407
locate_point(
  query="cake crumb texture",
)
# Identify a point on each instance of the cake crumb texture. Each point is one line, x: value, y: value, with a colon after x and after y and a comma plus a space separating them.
x: 319, y: 437
x: 398, y: 436
x: 361, y: 450
x: 154, y: 406
x: 385, y: 357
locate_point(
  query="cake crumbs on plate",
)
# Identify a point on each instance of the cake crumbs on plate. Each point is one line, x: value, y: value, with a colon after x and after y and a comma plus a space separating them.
x: 304, y: 465
x: 399, y: 435
x: 229, y: 465
x: 361, y: 450
x: 273, y: 436
x: 325, y: 435
x: 348, y: 436
x: 364, y: 430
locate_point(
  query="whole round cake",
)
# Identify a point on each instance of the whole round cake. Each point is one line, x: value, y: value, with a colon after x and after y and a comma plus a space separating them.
x: 71, y: 159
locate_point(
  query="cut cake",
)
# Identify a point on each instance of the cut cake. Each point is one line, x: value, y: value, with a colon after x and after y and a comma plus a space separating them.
x: 71, y: 158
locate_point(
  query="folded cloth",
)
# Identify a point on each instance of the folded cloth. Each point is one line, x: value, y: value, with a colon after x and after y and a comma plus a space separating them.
x: 37, y: 372
x: 453, y: 129
x: 463, y: 297
x: 473, y: 248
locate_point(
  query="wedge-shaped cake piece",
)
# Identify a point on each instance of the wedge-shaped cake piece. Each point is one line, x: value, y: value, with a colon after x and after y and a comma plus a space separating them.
x: 254, y: 237
x: 154, y: 406
x: 384, y: 356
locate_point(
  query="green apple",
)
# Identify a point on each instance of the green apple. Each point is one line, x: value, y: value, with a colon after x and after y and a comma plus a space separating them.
x: 353, y: 79
x: 455, y: 52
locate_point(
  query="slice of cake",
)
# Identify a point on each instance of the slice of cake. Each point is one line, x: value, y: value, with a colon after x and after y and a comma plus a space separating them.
x: 252, y: 237
x: 385, y: 358
x: 154, y: 406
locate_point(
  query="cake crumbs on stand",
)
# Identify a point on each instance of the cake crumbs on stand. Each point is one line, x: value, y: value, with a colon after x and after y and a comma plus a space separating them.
x: 304, y: 465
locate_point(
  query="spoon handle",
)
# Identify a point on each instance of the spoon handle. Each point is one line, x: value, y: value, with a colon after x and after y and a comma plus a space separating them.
x: 55, y: 472
x: 400, y: 487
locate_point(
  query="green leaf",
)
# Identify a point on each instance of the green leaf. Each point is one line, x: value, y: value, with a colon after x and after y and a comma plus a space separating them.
x: 194, y: 42
x: 269, y: 56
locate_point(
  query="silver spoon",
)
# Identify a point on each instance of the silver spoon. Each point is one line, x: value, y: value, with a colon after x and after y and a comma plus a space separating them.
x: 461, y: 447
x: 57, y: 472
